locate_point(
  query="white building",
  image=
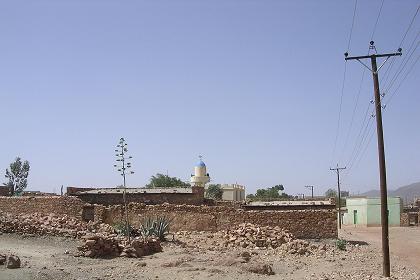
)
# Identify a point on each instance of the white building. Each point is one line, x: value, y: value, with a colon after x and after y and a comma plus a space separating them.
x: 200, y: 177
x: 233, y: 192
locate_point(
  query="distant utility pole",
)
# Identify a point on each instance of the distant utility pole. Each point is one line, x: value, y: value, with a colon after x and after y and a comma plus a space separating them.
x: 337, y: 170
x: 312, y: 190
x: 381, y: 149
x: 123, y: 167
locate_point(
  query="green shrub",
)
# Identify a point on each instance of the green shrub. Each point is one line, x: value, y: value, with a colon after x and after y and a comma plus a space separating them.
x: 341, y: 244
x: 121, y: 229
x: 158, y: 226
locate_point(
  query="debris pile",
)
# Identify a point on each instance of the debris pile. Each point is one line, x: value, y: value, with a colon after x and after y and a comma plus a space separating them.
x: 51, y: 224
x: 247, y: 235
x: 99, y: 239
x: 102, y: 245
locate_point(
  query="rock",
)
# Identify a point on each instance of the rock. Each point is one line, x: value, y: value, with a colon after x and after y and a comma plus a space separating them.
x: 246, y: 256
x: 13, y: 262
x: 259, y: 268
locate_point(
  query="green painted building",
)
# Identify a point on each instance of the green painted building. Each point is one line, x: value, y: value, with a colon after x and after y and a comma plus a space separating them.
x: 366, y: 211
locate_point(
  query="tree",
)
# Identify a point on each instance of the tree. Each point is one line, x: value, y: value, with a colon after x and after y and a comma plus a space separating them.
x: 331, y: 193
x: 165, y: 181
x: 17, y: 175
x: 214, y: 192
x: 269, y: 193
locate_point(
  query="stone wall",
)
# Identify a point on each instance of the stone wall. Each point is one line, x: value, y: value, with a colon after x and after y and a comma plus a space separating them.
x: 71, y: 206
x: 410, y: 218
x: 5, y: 191
x: 302, y: 223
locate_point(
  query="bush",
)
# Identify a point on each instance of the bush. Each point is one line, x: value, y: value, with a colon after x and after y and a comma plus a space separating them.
x: 158, y: 226
x: 341, y: 244
x: 121, y: 229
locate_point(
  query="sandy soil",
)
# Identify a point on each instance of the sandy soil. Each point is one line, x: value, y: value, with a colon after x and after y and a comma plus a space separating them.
x: 404, y: 241
x: 49, y: 258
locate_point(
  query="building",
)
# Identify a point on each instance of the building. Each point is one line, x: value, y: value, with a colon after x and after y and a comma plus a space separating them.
x: 233, y: 192
x: 366, y: 211
x: 200, y: 177
x: 281, y: 205
x: 151, y: 196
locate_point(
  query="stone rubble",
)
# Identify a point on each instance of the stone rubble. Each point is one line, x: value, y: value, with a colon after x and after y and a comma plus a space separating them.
x: 248, y: 235
x: 99, y: 239
x: 102, y: 245
x: 52, y: 224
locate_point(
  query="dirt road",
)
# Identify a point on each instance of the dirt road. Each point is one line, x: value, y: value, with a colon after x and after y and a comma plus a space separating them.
x: 51, y: 258
x: 404, y: 241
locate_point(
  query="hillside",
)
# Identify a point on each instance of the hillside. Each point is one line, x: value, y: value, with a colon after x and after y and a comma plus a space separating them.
x: 409, y: 192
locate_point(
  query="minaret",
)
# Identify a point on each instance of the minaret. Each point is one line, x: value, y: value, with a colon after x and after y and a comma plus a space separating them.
x: 200, y: 177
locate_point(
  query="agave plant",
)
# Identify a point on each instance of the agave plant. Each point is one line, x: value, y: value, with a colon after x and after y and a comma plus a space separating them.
x: 158, y: 227
x: 161, y: 228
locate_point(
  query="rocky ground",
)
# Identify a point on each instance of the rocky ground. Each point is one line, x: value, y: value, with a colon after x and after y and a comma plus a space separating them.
x: 193, y: 257
x: 244, y: 252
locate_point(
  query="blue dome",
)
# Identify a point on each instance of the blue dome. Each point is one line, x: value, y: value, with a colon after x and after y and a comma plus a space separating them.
x: 200, y: 164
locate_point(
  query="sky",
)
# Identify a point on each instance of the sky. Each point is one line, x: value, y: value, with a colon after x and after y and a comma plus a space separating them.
x: 253, y: 86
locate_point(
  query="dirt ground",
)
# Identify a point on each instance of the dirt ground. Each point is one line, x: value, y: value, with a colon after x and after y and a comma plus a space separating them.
x: 48, y: 258
x: 404, y: 241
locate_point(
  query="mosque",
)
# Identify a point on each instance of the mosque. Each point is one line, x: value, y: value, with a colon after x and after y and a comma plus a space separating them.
x: 232, y: 192
x: 200, y: 177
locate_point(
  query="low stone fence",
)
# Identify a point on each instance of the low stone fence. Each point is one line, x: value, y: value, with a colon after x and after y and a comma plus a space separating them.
x: 311, y: 224
x: 70, y: 206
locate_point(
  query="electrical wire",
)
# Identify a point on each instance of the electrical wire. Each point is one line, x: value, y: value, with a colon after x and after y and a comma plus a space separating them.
x: 401, y: 82
x: 403, y: 63
x: 388, y: 70
x: 343, y: 84
x: 377, y: 19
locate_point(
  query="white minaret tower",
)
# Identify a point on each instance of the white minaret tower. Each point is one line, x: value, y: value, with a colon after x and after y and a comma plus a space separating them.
x: 200, y: 177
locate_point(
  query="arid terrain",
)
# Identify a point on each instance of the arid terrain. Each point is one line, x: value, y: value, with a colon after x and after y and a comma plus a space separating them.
x: 199, y: 255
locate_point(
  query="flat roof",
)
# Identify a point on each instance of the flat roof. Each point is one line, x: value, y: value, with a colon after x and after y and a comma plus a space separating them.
x: 136, y: 190
x: 290, y: 203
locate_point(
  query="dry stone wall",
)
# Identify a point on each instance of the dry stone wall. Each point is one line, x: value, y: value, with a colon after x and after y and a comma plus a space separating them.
x: 63, y: 205
x: 301, y: 223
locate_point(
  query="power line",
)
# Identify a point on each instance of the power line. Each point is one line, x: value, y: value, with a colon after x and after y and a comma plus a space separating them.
x: 377, y: 19
x: 359, y: 146
x: 354, y: 112
x: 409, y: 26
x: 401, y: 82
x: 365, y: 149
x: 361, y: 82
x: 403, y: 63
x: 352, y: 25
x: 343, y: 84
x: 388, y: 70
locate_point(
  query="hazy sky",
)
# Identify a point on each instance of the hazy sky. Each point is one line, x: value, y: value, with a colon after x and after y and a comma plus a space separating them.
x: 253, y: 86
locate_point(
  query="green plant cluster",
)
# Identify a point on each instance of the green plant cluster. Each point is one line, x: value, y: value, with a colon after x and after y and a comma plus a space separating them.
x: 341, y: 244
x: 155, y: 226
x: 269, y: 194
x: 121, y: 229
x: 165, y: 181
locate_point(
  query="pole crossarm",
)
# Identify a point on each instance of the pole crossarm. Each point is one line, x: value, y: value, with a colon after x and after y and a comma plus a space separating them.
x: 372, y: 55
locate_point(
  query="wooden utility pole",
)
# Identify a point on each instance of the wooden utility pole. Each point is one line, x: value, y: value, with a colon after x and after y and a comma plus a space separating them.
x: 381, y: 149
x: 337, y: 170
